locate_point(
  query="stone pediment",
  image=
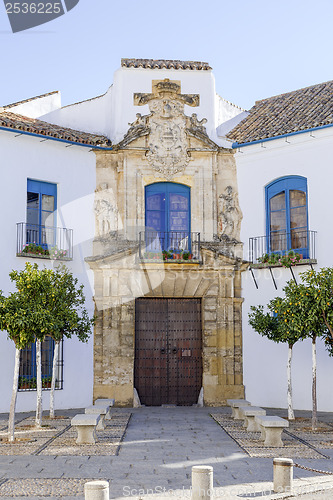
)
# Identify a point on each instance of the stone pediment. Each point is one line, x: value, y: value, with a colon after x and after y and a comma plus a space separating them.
x: 167, y: 129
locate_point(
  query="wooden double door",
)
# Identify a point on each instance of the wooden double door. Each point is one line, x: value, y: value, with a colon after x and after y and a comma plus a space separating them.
x: 168, y: 351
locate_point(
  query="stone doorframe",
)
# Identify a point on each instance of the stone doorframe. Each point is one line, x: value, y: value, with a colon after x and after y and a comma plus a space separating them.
x: 121, y: 278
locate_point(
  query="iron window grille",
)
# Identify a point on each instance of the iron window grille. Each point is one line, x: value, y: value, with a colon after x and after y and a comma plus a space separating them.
x: 28, y: 369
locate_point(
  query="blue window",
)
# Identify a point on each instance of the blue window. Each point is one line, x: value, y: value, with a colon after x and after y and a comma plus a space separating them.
x: 287, y: 215
x: 28, y: 369
x: 168, y: 214
x: 41, y: 206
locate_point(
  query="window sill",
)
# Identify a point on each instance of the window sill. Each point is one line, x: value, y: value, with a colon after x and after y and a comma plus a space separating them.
x: 36, y: 256
x: 302, y: 262
x: 31, y: 389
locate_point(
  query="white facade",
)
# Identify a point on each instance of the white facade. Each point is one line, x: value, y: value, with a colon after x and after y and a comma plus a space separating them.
x: 73, y: 170
x: 308, y: 154
x: 112, y: 113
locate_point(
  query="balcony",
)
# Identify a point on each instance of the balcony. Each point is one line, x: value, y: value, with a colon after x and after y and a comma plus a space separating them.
x: 169, y: 247
x: 282, y: 249
x: 44, y: 242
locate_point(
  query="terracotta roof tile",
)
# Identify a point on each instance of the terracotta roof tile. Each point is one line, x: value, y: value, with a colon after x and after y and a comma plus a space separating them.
x: 164, y: 63
x: 19, y: 122
x: 287, y: 113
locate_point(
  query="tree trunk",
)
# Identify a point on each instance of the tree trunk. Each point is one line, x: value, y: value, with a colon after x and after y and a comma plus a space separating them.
x: 38, y: 421
x: 54, y: 374
x: 314, y: 384
x: 291, y: 415
x: 11, y: 422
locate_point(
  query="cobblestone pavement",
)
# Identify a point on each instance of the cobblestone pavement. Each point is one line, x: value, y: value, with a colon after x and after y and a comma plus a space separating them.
x: 155, y: 458
x: 58, y: 437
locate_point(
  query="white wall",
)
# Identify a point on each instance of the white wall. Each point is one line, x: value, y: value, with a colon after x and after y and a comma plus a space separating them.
x: 225, y: 110
x: 91, y: 116
x: 73, y: 170
x: 264, y: 361
x: 38, y: 106
x: 128, y: 81
x: 111, y: 113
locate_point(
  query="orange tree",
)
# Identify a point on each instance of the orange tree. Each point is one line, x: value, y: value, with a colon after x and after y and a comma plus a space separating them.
x: 24, y: 322
x: 304, y: 312
x: 46, y: 302
x: 279, y: 325
x: 317, y: 314
x: 66, y: 306
x: 57, y: 293
x: 319, y: 303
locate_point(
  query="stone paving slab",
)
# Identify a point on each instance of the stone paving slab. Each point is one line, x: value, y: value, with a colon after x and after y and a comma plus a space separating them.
x: 158, y: 451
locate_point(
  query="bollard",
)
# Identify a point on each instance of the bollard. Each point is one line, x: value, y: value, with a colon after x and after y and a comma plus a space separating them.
x: 282, y: 474
x: 202, y: 482
x: 96, y: 490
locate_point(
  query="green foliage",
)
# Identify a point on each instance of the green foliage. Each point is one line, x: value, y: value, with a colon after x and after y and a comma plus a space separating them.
x: 284, y: 322
x: 287, y: 260
x: 52, y: 252
x: 47, y: 302
x: 305, y: 311
x: 264, y: 323
x: 57, y: 253
x: 290, y: 259
x: 319, y: 285
x: 31, y: 383
x: 66, y: 303
x: 34, y: 249
x: 267, y: 258
x: 22, y: 318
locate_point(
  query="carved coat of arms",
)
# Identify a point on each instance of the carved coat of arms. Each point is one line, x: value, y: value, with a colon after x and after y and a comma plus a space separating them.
x: 167, y: 126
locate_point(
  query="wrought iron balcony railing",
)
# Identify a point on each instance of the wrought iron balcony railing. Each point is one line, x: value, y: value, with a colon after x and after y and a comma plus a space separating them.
x: 44, y: 242
x: 299, y: 244
x: 171, y: 245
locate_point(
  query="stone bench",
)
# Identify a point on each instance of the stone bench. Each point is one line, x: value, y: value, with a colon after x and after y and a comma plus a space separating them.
x: 249, y: 413
x: 235, y: 405
x: 271, y: 430
x: 85, y: 426
x: 102, y: 411
x: 103, y: 402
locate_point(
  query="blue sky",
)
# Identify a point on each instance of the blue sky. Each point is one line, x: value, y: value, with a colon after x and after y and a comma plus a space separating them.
x: 257, y: 48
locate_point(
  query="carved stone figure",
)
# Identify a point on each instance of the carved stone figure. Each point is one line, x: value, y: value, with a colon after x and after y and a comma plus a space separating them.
x: 141, y: 121
x: 106, y: 211
x: 197, y: 125
x: 230, y: 215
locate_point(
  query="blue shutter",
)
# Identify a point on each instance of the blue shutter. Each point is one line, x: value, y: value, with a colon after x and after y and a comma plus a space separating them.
x: 291, y: 231
x: 41, y: 203
x: 167, y: 212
